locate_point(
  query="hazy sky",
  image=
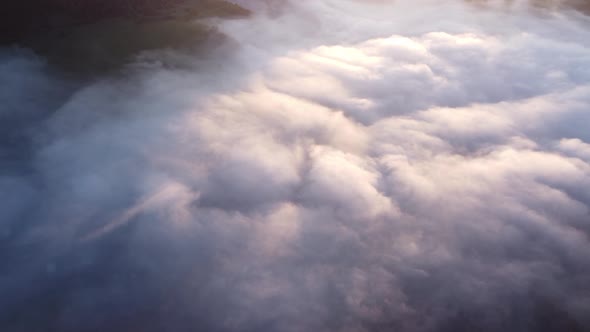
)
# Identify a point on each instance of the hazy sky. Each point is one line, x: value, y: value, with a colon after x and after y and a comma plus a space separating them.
x: 333, y: 165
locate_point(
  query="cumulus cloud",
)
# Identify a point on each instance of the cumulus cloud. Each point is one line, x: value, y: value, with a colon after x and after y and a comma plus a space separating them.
x: 343, y: 166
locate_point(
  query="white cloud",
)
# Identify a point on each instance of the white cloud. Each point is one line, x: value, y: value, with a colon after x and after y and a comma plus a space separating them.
x: 347, y: 167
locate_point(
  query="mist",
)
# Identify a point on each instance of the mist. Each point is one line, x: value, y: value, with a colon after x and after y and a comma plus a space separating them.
x: 332, y: 165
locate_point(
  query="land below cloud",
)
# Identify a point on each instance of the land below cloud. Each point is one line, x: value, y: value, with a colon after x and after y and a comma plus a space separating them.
x: 99, y: 36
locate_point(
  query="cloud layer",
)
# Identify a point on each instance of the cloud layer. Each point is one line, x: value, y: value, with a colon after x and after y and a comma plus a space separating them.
x: 338, y: 165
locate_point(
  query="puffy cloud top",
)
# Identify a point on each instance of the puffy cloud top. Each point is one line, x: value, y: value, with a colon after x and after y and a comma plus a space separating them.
x: 334, y: 165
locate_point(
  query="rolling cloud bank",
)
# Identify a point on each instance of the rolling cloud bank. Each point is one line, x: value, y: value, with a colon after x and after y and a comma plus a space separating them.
x: 330, y: 165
